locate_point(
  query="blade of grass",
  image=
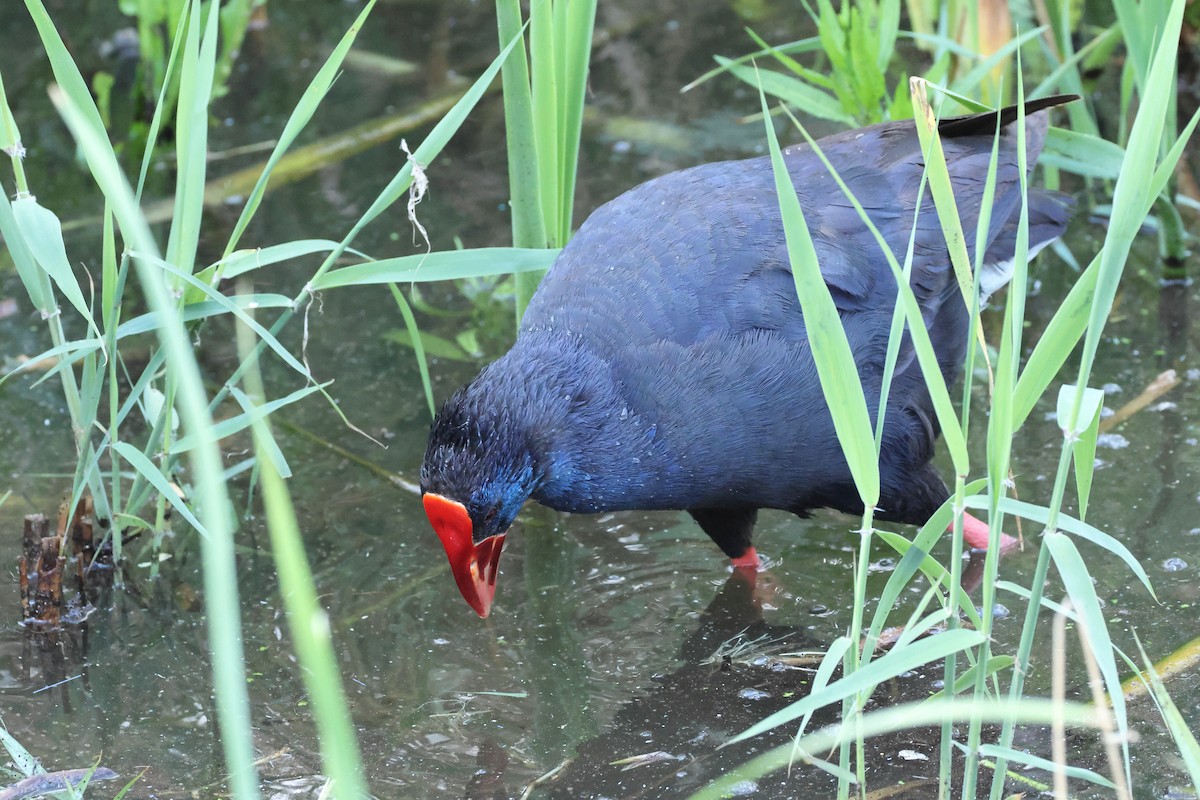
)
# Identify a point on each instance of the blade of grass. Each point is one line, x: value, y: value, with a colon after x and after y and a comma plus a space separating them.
x: 220, y: 573
x: 438, y: 266
x: 307, y: 620
x: 906, y: 716
x: 525, y: 194
x: 410, y: 322
x: 309, y: 101
x: 191, y: 136
x: 830, y: 348
x: 884, y: 668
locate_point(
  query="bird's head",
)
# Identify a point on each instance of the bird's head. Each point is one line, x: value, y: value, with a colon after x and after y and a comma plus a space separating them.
x: 476, y: 476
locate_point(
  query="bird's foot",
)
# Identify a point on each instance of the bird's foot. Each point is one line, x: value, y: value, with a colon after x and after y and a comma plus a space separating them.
x: 977, y: 535
x: 748, y: 560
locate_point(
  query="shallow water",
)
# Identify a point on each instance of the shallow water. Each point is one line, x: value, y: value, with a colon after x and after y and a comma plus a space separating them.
x: 598, y: 646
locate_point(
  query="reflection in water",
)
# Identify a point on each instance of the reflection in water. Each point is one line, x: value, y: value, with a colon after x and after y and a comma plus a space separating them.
x: 1174, y: 325
x: 737, y: 668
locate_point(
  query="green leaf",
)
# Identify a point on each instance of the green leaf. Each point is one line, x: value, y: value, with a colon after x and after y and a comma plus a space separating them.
x: 431, y: 344
x: 1067, y: 523
x: 228, y: 427
x: 43, y: 235
x: 35, y: 280
x: 417, y: 342
x: 191, y: 137
x: 830, y: 349
x: 811, y: 99
x: 808, y: 45
x: 22, y: 759
x: 231, y: 306
x: 1055, y: 344
x: 146, y: 468
x: 1083, y: 441
x: 1037, y: 762
x: 1081, y: 590
x: 930, y: 368
x: 969, y: 83
x: 439, y: 266
x: 888, y: 666
x: 152, y: 321
x: 1090, y: 405
x: 313, y: 95
x: 1132, y: 195
x: 1177, y: 725
x: 1082, y: 154
x: 906, y: 716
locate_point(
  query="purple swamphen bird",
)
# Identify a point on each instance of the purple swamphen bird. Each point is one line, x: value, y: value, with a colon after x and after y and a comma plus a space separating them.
x: 664, y: 364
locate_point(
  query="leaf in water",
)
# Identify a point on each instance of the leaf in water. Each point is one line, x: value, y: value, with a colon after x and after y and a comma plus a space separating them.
x: 468, y: 340
x: 434, y: 345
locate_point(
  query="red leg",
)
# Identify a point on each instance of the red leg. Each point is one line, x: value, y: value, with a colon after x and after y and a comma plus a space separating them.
x: 976, y: 535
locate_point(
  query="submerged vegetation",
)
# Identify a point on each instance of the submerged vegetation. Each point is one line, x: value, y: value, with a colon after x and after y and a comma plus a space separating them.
x: 142, y: 430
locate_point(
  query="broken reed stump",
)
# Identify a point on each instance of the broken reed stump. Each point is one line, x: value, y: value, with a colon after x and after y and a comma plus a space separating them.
x: 43, y: 561
x: 41, y: 568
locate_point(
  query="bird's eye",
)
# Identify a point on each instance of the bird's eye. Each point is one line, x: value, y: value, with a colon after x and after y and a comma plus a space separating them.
x: 491, y: 514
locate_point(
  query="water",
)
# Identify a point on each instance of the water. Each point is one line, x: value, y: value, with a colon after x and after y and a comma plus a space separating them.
x: 601, y: 642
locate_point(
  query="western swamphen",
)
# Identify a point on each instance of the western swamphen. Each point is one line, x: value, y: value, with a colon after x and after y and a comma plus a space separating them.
x: 663, y: 362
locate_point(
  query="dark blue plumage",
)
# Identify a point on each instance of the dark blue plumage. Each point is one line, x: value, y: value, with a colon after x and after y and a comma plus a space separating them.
x: 664, y: 364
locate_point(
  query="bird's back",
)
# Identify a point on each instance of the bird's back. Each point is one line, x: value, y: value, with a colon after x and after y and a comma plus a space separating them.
x: 683, y: 289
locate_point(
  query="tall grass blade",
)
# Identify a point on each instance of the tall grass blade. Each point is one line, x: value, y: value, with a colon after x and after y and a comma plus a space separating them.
x: 1079, y: 586
x: 307, y: 621
x: 884, y: 668
x: 577, y: 51
x: 313, y: 95
x: 414, y: 333
x: 220, y: 573
x: 811, y: 99
x: 1037, y: 762
x: 905, y: 716
x: 1177, y: 725
x: 152, y: 473
x: 191, y: 136
x: 438, y: 266
x: 524, y: 186
x: 926, y: 358
x: 232, y: 425
x: 1133, y: 190
x: 830, y: 348
x: 1083, y: 439
x: 1042, y: 515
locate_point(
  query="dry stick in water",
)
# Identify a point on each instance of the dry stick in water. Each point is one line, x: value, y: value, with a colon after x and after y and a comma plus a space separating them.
x: 1164, y: 383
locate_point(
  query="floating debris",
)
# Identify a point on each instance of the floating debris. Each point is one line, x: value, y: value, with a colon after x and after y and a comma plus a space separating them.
x: 47, y: 782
